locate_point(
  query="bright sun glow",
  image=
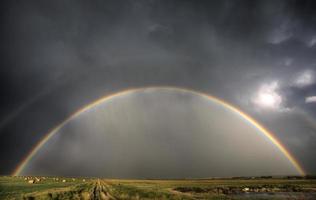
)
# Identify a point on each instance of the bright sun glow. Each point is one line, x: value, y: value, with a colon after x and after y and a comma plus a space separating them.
x: 267, y: 96
x: 266, y: 99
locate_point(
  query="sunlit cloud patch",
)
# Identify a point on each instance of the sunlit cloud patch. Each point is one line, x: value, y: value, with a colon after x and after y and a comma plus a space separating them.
x: 311, y: 99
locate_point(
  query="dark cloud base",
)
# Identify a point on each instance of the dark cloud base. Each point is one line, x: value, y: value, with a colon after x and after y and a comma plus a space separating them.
x: 57, y: 56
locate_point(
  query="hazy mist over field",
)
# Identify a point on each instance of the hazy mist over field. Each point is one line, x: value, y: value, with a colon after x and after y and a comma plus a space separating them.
x: 159, y: 133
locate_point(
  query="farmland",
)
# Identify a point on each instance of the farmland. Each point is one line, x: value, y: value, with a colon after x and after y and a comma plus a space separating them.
x: 28, y: 187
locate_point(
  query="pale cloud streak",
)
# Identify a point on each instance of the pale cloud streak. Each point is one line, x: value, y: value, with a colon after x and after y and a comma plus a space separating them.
x: 311, y: 99
x: 304, y: 79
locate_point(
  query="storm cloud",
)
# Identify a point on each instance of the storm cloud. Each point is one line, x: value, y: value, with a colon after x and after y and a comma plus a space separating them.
x: 57, y: 56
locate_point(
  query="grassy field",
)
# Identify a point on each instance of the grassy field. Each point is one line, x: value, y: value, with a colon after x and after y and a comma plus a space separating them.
x: 92, y: 188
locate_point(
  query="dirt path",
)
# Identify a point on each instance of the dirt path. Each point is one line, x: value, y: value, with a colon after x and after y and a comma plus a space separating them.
x: 101, y: 191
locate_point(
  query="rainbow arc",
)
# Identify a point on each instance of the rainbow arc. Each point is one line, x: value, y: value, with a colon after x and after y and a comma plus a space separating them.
x: 221, y: 102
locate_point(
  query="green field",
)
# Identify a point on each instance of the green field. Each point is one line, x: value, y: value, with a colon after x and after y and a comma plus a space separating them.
x: 93, y: 188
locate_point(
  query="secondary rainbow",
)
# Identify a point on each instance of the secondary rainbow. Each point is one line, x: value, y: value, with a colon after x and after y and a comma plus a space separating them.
x: 221, y: 102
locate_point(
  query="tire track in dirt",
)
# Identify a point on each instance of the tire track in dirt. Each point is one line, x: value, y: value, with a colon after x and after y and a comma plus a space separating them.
x: 101, y: 191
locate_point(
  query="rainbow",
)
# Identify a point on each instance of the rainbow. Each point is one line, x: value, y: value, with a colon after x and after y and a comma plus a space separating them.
x: 221, y: 102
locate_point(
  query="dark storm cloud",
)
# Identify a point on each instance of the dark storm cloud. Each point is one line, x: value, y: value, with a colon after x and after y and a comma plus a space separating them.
x: 57, y: 56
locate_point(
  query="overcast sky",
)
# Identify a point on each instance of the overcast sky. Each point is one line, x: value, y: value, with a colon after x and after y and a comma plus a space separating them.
x: 57, y: 56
